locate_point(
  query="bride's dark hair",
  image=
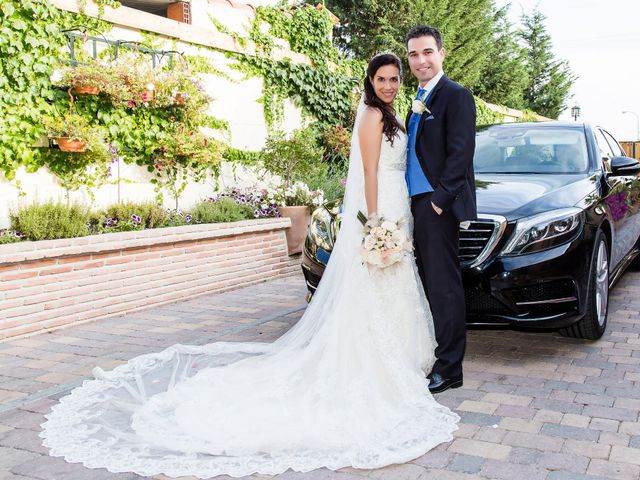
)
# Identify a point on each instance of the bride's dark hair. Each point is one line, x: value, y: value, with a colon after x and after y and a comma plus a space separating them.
x: 390, y: 123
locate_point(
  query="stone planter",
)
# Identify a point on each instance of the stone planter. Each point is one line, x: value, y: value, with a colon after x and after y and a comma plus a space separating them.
x: 53, y: 283
x: 296, y: 233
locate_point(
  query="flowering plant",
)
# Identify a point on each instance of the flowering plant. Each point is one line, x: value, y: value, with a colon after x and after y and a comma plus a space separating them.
x: 75, y: 127
x: 133, y: 81
x: 91, y: 74
x: 262, y: 201
x: 299, y: 194
x: 337, y: 140
x: 384, y: 243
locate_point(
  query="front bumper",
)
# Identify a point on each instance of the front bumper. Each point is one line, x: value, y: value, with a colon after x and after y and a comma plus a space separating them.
x: 538, y: 290
x: 541, y: 290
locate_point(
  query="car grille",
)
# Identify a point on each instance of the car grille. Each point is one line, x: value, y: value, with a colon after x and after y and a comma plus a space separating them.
x: 478, y: 241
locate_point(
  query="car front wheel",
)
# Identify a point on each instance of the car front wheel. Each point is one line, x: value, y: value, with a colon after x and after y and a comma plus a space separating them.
x: 593, y: 324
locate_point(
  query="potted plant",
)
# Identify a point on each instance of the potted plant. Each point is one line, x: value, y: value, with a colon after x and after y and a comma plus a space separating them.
x: 88, y: 78
x: 292, y: 159
x: 184, y: 155
x: 134, y: 81
x: 72, y: 133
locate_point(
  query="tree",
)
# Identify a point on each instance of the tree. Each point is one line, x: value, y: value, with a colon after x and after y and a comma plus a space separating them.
x: 370, y: 26
x: 504, y: 78
x: 550, y: 80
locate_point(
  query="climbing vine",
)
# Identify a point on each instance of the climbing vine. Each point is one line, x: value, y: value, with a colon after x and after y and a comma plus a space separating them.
x: 324, y: 89
x: 139, y: 130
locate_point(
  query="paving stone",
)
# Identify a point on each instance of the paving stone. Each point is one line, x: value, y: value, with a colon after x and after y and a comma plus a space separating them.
x: 564, y: 461
x: 480, y: 419
x: 557, y: 406
x: 548, y: 416
x: 24, y: 440
x: 22, y: 419
x: 621, y: 414
x: 434, y: 459
x: 565, y: 431
x: 630, y: 428
x: 509, y: 471
x: 480, y: 449
x: 507, y: 399
x: 573, y: 420
x: 520, y: 425
x: 531, y: 440
x: 524, y: 455
x: 563, y: 475
x: 634, y: 442
x: 625, y: 454
x: 478, y: 407
x: 12, y: 456
x: 604, y: 424
x: 408, y: 471
x: 466, y: 430
x: 466, y: 463
x: 621, y: 471
x: 526, y: 413
x: 490, y: 434
x: 588, y: 399
x: 611, y: 438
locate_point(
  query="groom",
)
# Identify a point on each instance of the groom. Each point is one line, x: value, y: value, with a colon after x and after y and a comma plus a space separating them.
x: 441, y: 128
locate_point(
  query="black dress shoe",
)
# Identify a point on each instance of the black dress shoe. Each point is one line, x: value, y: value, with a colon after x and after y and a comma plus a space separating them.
x: 439, y: 384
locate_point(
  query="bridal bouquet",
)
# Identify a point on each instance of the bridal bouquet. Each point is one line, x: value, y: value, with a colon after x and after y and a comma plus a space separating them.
x: 384, y: 243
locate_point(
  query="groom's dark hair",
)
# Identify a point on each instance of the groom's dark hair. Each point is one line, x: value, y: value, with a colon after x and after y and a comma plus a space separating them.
x: 424, y: 31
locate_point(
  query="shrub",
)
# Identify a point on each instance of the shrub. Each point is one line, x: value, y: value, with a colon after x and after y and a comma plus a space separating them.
x: 222, y: 210
x: 126, y: 216
x: 48, y: 221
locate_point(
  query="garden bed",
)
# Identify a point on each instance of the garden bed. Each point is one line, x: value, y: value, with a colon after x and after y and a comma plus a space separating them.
x: 54, y: 283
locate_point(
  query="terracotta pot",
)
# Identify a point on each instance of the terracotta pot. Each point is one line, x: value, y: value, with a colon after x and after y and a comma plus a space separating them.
x: 86, y: 89
x: 67, y: 144
x: 296, y: 233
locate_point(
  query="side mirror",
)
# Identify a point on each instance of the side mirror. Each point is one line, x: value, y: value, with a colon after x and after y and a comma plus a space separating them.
x: 624, y: 166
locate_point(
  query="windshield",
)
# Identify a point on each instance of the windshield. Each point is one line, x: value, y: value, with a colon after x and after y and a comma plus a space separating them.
x: 527, y: 149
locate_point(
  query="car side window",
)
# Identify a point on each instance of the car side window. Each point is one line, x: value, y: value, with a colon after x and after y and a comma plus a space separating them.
x: 615, y: 146
x: 605, y: 148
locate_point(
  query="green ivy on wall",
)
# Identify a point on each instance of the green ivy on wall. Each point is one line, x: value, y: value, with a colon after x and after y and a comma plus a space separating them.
x: 33, y: 46
x: 322, y: 90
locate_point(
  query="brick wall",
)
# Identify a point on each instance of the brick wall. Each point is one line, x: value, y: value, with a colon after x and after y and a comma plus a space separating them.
x: 53, y: 283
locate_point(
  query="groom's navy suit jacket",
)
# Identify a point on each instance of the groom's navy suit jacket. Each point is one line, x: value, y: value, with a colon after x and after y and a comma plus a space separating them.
x: 445, y: 144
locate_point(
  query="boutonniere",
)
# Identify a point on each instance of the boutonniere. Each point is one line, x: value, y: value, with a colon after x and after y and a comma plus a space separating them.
x: 418, y: 107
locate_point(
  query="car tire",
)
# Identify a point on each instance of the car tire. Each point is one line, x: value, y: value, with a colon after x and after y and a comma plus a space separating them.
x: 594, y: 322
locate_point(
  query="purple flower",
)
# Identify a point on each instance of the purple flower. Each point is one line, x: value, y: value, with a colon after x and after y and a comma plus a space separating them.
x: 136, y: 219
x: 187, y: 218
x: 19, y: 235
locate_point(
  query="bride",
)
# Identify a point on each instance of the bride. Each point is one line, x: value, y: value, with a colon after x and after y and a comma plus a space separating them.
x: 344, y: 387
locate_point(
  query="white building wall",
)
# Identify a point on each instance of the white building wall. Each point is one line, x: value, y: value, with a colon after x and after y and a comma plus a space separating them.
x: 234, y: 101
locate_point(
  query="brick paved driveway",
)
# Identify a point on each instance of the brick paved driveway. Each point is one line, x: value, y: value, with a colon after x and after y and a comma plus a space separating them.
x: 534, y: 406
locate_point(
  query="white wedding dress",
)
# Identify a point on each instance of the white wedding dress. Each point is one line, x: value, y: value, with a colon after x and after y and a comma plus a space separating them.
x: 344, y: 387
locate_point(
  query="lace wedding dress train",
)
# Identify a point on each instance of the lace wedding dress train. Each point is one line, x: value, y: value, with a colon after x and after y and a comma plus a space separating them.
x: 344, y: 387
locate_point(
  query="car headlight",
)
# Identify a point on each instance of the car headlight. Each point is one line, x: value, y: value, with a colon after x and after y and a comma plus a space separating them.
x: 544, y: 230
x: 320, y: 229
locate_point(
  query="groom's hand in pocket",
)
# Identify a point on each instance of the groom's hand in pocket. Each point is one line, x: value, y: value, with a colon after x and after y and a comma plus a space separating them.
x: 437, y: 209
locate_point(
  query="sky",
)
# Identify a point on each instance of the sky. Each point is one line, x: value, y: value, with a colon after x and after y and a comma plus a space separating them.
x: 601, y: 41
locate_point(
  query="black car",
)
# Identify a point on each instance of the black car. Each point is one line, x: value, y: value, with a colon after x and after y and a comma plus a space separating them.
x: 557, y: 225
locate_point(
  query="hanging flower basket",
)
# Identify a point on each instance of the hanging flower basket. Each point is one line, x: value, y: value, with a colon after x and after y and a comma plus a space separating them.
x: 68, y: 144
x: 81, y: 89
